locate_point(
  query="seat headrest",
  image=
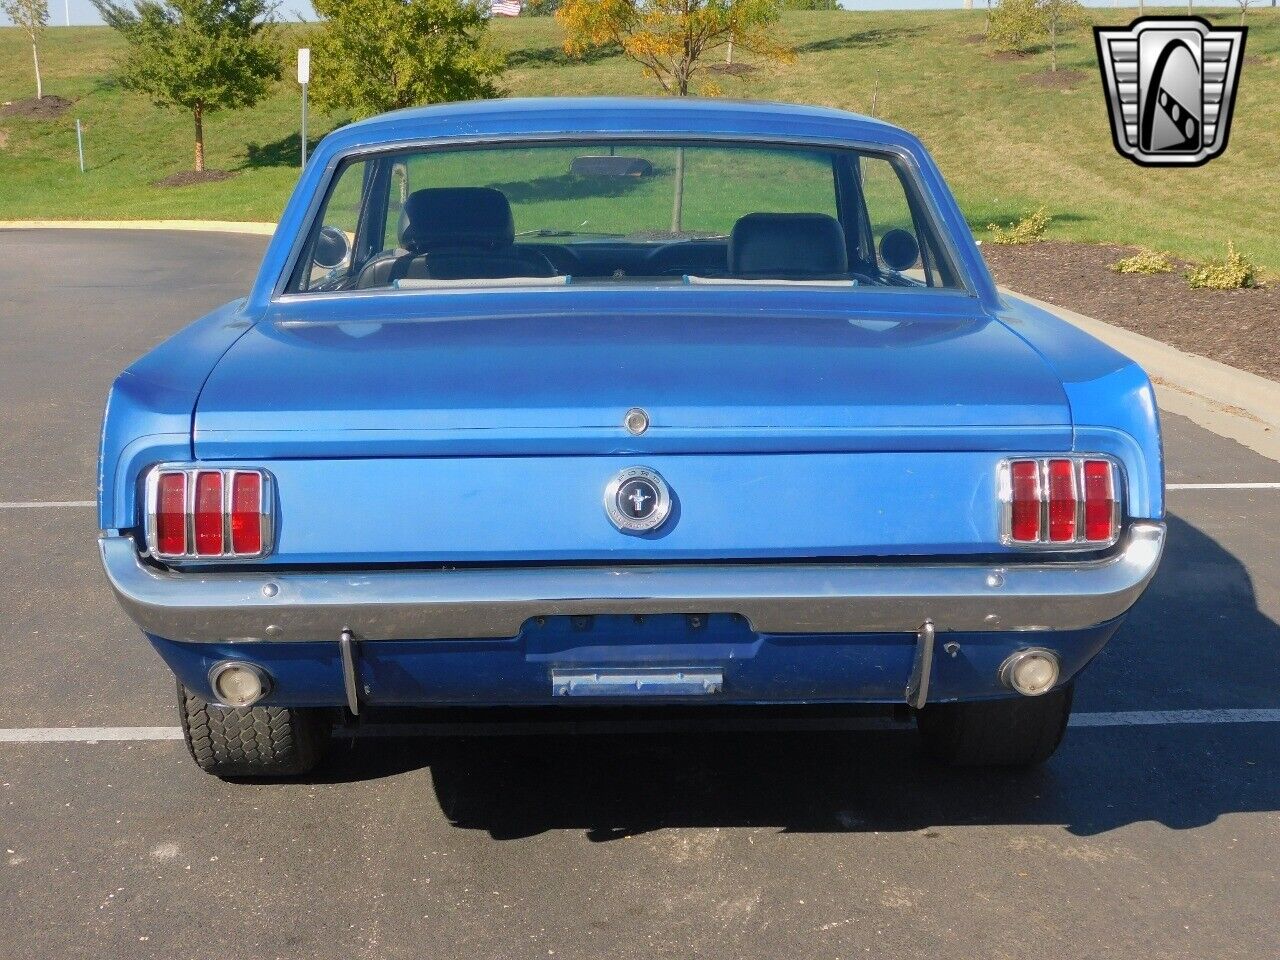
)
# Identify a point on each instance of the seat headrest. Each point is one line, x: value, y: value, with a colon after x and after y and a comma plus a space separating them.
x: 788, y: 244
x: 456, y: 217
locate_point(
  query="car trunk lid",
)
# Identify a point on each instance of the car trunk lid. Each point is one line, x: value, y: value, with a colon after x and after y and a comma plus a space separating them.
x: 414, y: 375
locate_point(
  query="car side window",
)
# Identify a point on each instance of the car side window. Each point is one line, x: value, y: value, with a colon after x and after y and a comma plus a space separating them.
x: 331, y: 251
x: 894, y: 231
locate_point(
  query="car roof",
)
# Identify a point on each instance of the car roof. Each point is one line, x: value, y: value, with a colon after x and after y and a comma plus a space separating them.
x: 660, y: 116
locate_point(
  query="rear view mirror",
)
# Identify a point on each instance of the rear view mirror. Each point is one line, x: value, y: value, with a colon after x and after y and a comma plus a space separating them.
x: 333, y: 249
x: 608, y: 166
x: 899, y: 250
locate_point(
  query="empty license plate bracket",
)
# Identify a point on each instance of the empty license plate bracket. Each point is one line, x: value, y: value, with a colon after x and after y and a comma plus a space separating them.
x: 618, y: 682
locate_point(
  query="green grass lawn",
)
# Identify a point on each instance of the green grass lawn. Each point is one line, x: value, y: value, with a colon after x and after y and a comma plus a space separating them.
x: 1006, y: 143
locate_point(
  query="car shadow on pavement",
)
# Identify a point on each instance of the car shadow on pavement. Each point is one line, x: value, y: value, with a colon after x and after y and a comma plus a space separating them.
x: 1197, y: 641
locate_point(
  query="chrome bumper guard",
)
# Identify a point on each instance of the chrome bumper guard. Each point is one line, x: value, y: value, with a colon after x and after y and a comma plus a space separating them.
x: 495, y: 602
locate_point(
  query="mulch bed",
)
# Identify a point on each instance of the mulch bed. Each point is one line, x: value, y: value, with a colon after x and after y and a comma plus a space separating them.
x: 734, y: 69
x: 42, y: 108
x: 1238, y: 327
x: 188, y: 178
x: 1057, y: 79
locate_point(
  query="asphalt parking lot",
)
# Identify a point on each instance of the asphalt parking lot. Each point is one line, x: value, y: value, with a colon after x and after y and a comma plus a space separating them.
x: 1149, y: 835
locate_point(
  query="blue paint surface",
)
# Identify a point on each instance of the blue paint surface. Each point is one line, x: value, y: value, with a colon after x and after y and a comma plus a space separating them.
x: 482, y: 425
x: 757, y: 668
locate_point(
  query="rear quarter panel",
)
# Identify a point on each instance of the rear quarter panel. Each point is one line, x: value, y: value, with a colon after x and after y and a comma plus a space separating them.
x: 1113, y: 404
x: 149, y: 411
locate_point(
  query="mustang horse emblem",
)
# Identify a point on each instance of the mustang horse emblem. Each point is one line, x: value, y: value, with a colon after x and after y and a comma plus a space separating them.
x: 637, y: 500
x: 638, y: 497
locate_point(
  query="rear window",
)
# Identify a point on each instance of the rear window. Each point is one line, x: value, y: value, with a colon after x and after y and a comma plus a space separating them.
x: 592, y: 213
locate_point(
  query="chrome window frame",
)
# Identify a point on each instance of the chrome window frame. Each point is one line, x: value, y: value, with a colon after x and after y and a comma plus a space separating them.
x: 909, y: 167
x: 266, y: 511
x: 1004, y: 486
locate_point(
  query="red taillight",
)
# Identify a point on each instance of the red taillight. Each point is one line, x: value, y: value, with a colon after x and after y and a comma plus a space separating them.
x: 171, y: 513
x: 1062, y: 501
x: 209, y: 514
x: 208, y: 511
x: 246, y: 513
x: 1056, y: 501
x: 1025, y: 502
x: 1099, y: 501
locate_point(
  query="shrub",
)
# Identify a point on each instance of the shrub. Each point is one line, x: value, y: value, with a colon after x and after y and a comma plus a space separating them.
x: 1231, y: 272
x: 1017, y: 26
x: 1145, y: 261
x: 1030, y: 229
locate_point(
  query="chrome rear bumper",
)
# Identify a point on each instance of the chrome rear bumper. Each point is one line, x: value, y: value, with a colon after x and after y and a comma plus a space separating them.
x: 495, y: 601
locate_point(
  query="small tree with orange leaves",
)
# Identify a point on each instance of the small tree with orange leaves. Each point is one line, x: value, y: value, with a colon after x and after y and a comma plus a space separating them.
x: 676, y: 40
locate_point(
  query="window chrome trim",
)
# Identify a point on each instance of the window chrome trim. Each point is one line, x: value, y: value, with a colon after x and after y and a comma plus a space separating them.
x: 266, y: 511
x: 1004, y: 487
x: 909, y: 167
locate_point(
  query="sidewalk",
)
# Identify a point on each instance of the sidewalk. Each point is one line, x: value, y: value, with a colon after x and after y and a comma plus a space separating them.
x: 1232, y: 403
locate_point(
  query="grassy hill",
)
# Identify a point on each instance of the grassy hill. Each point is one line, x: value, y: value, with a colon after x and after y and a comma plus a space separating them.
x: 1008, y: 137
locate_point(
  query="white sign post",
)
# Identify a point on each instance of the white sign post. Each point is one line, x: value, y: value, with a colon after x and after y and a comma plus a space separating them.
x: 304, y: 77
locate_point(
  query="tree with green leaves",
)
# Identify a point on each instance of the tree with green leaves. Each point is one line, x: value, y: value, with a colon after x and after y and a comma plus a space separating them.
x: 379, y: 55
x: 197, y: 55
x: 1060, y: 16
x: 673, y: 40
x: 32, y: 16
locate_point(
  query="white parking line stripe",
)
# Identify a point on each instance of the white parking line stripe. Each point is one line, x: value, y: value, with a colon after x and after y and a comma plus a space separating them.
x: 1222, y: 486
x: 1128, y: 718
x: 87, y: 734
x: 37, y: 504
x: 1160, y: 718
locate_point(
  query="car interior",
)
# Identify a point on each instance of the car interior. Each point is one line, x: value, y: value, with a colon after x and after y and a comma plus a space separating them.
x: 467, y: 236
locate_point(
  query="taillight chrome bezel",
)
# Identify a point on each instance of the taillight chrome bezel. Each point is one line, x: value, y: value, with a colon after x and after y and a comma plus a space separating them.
x: 266, y: 512
x: 1078, y: 543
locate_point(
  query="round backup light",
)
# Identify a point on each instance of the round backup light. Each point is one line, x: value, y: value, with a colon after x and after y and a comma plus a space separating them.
x: 1030, y: 672
x: 239, y: 684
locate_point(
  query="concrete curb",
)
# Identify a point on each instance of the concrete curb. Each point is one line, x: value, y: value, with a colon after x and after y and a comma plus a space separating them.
x: 1232, y: 403
x: 203, y: 226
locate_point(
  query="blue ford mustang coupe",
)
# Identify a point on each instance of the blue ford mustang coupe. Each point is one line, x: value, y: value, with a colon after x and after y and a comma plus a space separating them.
x: 612, y: 401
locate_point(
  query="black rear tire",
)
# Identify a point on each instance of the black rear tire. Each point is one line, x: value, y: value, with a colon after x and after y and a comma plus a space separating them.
x: 1009, y: 733
x: 239, y: 742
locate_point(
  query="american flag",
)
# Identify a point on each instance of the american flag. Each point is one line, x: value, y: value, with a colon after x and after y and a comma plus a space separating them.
x: 505, y: 8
